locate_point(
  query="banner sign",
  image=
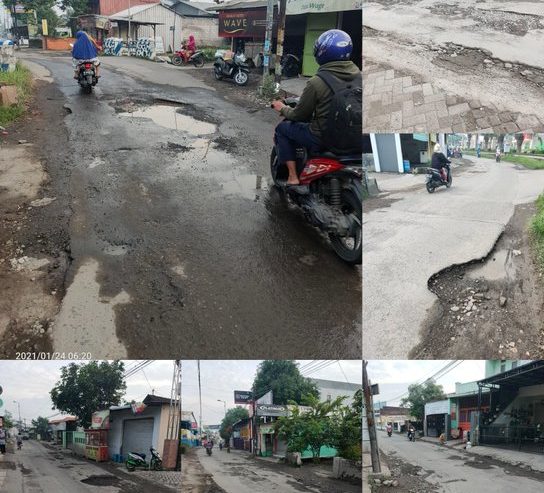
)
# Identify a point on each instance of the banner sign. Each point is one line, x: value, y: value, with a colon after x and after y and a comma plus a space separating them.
x: 242, y: 23
x: 138, y: 407
x: 271, y: 410
x: 101, y: 420
x: 438, y: 407
x: 295, y: 7
x: 242, y: 396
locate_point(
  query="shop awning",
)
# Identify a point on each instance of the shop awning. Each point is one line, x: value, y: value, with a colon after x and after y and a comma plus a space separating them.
x: 295, y: 7
x: 522, y: 376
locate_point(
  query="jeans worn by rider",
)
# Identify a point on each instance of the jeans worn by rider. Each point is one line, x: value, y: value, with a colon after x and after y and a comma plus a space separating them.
x: 438, y: 162
x: 302, y: 125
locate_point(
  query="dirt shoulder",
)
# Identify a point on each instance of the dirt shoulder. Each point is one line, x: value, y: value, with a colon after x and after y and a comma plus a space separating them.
x: 195, y: 479
x: 496, y: 302
x: 34, y: 243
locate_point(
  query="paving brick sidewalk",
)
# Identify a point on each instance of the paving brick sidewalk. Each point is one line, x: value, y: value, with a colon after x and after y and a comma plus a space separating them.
x: 164, y: 478
x: 395, y: 101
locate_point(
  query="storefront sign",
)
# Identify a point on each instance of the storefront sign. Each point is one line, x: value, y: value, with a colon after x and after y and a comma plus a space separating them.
x: 439, y: 407
x: 242, y: 23
x: 266, y: 430
x: 101, y: 420
x: 271, y: 410
x: 295, y: 7
x: 242, y: 396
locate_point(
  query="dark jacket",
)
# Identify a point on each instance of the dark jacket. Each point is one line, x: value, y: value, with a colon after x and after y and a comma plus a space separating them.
x: 438, y: 161
x: 313, y: 106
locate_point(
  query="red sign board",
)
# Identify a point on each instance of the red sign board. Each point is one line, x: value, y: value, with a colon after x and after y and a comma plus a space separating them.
x: 242, y: 23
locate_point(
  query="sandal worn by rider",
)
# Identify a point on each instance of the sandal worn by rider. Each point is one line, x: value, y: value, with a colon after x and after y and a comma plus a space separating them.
x: 300, y: 189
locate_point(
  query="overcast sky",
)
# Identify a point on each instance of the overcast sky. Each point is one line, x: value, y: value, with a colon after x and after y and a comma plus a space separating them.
x: 394, y: 377
x: 29, y: 383
x: 221, y: 378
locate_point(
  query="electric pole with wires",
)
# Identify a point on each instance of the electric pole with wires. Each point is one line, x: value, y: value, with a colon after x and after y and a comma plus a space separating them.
x: 171, y: 454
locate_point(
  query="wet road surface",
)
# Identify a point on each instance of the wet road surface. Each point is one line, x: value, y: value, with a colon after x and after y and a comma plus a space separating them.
x: 179, y: 246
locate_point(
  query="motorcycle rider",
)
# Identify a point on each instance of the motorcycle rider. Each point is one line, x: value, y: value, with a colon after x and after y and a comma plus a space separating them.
x: 3, y: 439
x: 389, y: 429
x: 19, y: 442
x: 411, y: 432
x: 85, y: 49
x: 439, y: 161
x: 498, y: 155
x: 302, y: 125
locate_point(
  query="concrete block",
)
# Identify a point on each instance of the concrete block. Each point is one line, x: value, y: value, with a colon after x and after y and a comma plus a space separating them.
x: 347, y: 469
x: 8, y: 96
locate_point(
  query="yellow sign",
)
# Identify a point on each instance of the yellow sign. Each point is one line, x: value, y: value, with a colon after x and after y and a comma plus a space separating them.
x: 45, y: 32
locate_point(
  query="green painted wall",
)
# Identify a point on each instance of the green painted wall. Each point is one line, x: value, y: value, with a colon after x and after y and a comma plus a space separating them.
x: 316, y: 25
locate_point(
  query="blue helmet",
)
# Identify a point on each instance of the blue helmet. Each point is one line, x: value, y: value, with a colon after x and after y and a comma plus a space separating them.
x: 333, y: 45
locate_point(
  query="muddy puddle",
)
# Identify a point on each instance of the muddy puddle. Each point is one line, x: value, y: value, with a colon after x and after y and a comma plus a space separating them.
x: 169, y: 116
x: 491, y: 307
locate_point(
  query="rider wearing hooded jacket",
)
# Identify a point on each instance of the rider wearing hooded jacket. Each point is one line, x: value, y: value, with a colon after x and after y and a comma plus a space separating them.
x: 302, y: 125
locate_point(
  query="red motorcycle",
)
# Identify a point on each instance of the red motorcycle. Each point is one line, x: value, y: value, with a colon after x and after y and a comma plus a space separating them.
x: 330, y: 195
x: 181, y: 57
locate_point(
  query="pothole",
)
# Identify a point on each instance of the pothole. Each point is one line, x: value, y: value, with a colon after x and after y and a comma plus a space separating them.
x: 169, y: 116
x: 101, y: 480
x: 500, y: 265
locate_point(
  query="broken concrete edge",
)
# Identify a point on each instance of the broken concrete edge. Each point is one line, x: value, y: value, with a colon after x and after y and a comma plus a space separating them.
x: 514, y: 463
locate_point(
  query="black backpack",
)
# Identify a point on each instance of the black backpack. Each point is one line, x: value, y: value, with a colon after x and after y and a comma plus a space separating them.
x: 343, y: 133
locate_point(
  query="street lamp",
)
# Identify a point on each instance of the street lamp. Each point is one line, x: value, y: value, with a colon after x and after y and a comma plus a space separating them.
x: 224, y: 403
x: 19, y: 407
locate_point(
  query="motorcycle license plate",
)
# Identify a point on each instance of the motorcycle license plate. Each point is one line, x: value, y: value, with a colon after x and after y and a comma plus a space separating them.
x: 88, y: 72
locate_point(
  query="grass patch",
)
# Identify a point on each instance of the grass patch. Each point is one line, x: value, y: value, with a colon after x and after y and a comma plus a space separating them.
x: 523, y: 159
x: 22, y: 79
x: 537, y: 226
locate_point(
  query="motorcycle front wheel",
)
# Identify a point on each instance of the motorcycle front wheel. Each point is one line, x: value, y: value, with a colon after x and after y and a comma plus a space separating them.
x: 198, y: 62
x: 241, y: 78
x: 430, y: 187
x: 157, y: 466
x: 450, y: 179
x: 177, y: 61
x: 130, y: 467
x: 350, y: 249
x: 217, y: 74
x: 278, y: 173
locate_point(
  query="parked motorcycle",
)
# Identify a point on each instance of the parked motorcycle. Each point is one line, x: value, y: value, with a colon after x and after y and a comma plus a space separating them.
x: 137, y: 460
x: 434, y: 179
x: 236, y: 69
x: 86, y: 76
x: 180, y: 58
x: 290, y: 65
x: 330, y: 195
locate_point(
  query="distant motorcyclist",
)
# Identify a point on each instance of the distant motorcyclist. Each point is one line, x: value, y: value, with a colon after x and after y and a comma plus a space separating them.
x: 411, y: 433
x: 19, y: 442
x: 439, y: 162
x: 389, y: 429
x: 498, y: 155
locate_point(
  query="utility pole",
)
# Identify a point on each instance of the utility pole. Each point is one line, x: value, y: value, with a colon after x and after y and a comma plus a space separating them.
x: 367, y: 394
x: 224, y: 404
x: 200, y: 404
x: 268, y: 38
x: 128, y: 35
x: 280, y: 36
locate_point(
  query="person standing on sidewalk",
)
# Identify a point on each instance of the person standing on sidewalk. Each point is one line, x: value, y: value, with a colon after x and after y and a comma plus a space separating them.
x: 3, y: 438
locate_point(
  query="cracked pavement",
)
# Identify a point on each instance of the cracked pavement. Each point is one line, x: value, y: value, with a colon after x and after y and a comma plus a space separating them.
x: 411, y: 235
x: 453, y: 66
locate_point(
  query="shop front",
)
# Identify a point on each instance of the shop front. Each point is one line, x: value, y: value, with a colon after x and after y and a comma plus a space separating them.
x: 515, y: 417
x: 96, y: 437
x: 321, y: 16
x: 267, y: 439
x: 437, y: 418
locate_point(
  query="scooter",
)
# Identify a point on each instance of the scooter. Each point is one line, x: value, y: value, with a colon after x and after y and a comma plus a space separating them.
x: 209, y: 450
x: 497, y: 158
x: 434, y: 179
x: 86, y: 76
x: 180, y: 58
x: 330, y: 195
x: 412, y: 436
x: 389, y: 433
x: 236, y: 69
x: 137, y: 460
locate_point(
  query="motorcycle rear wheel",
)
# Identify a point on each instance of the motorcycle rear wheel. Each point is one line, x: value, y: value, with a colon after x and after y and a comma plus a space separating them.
x: 351, y: 205
x: 177, y: 61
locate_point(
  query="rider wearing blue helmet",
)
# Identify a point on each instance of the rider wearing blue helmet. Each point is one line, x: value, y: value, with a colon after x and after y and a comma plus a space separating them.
x: 303, y: 124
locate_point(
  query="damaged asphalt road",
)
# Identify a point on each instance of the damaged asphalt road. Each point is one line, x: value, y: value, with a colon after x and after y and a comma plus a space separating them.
x: 176, y: 243
x: 476, y: 60
x: 413, y: 235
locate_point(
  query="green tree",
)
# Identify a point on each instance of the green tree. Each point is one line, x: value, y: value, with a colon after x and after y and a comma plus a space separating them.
x: 8, y: 420
x: 419, y: 395
x: 75, y: 7
x: 347, y: 429
x: 233, y: 415
x: 41, y: 425
x: 310, y: 428
x: 285, y: 380
x: 84, y: 389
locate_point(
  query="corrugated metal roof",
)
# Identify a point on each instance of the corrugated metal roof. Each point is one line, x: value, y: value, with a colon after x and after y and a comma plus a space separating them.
x: 124, y: 14
x: 240, y: 5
